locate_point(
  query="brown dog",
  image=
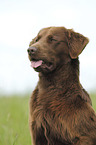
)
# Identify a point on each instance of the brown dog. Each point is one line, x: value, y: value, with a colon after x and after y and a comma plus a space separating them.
x: 60, y: 109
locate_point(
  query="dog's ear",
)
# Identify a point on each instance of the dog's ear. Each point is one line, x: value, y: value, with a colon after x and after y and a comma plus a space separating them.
x: 76, y: 43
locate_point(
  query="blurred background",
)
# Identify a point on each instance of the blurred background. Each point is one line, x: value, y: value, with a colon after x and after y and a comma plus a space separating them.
x: 20, y: 21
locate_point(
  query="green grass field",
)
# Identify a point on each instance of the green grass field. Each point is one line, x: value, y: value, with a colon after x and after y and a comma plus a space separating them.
x: 14, y: 128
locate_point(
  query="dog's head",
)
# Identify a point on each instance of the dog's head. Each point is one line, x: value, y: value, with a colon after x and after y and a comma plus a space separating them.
x: 55, y: 46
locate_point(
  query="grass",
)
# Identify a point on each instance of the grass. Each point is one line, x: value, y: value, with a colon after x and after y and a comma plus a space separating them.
x: 93, y: 97
x: 14, y: 128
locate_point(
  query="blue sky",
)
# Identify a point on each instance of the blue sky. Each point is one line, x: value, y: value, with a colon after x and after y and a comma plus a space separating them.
x: 20, y: 21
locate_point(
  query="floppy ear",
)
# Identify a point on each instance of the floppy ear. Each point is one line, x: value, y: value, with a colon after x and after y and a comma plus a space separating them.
x: 76, y: 43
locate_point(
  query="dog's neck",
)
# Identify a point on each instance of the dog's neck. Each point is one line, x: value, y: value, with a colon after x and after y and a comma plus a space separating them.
x: 68, y: 72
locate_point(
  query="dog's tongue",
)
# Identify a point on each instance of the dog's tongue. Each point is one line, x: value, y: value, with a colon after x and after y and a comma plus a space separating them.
x: 36, y: 64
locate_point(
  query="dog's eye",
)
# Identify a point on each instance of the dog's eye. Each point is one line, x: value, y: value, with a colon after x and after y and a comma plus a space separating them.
x: 51, y: 38
x: 37, y: 38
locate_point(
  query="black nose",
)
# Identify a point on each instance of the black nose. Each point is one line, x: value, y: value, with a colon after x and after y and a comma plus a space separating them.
x: 31, y: 50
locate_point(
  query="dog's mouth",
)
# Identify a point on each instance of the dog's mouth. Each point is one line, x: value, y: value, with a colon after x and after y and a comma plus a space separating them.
x: 36, y: 64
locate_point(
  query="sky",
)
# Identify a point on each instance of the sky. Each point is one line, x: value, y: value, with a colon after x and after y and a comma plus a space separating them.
x: 20, y: 21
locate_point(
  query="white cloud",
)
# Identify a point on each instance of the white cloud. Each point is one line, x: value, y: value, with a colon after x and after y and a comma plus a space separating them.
x: 15, y: 28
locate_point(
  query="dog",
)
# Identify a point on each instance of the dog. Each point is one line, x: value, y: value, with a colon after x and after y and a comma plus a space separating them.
x: 61, y: 110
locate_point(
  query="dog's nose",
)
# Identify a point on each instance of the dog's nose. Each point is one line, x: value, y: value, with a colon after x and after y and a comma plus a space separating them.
x: 31, y: 50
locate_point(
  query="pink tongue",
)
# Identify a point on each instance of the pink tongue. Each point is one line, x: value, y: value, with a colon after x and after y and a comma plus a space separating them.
x: 36, y: 64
